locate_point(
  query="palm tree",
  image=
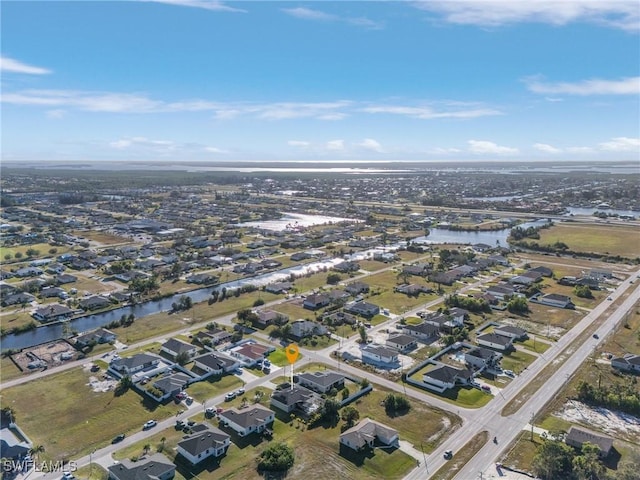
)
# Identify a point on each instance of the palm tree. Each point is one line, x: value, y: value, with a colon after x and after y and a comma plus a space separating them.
x: 36, y: 450
x: 146, y: 448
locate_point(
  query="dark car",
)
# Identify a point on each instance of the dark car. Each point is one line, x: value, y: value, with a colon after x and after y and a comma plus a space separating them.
x: 119, y: 438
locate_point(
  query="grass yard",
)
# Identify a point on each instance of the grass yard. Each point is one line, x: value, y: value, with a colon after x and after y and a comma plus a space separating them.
x: 609, y: 239
x: 464, y: 396
x: 520, y: 455
x: 91, y: 472
x: 534, y: 346
x: 462, y: 456
x: 213, y: 387
x: 43, y: 251
x: 16, y: 320
x: 398, y: 303
x: 315, y: 280
x: 9, y: 370
x: 279, y: 358
x: 73, y: 420
x: 294, y: 310
x: 84, y: 283
x: 517, y: 361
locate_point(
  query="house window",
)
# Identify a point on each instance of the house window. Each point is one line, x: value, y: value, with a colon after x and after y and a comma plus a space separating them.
x: 200, y: 455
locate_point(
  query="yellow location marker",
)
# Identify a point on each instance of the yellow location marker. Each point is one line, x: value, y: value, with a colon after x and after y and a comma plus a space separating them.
x: 292, y: 353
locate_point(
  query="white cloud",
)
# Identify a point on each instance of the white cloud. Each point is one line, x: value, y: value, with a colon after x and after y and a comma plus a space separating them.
x: 427, y: 113
x: 298, y: 143
x: 622, y: 14
x: 546, y: 148
x: 445, y: 151
x: 318, y: 15
x: 621, y: 144
x: 213, y: 5
x: 596, y: 86
x: 371, y: 144
x: 482, y: 147
x: 142, y: 142
x: 335, y: 145
x: 14, y: 66
x: 287, y: 110
x: 57, y: 113
x: 215, y: 150
x: 309, y: 14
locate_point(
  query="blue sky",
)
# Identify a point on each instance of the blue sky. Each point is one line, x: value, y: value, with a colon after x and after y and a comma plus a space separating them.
x: 318, y: 80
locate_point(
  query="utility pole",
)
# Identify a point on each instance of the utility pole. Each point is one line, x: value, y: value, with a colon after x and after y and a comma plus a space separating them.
x: 532, y: 417
x: 424, y: 457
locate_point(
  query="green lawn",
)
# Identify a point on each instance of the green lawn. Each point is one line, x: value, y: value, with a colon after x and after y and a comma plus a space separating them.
x: 465, y: 397
x: 535, y: 346
x: 213, y: 387
x: 517, y: 361
x: 279, y: 358
x: 71, y: 419
x: 609, y: 239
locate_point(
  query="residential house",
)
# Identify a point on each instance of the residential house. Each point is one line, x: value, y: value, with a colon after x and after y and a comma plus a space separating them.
x: 366, y: 433
x: 28, y: 272
x: 376, y: 354
x: 445, y: 377
x: 51, y: 292
x: 412, y: 290
x: 17, y: 298
x: 172, y: 384
x: 316, y: 301
x: 100, y: 335
x: 419, y: 270
x: 516, y: 333
x: 424, y: 332
x: 94, y: 303
x: 578, y: 436
x: 493, y: 340
x: 205, y: 442
x: 214, y: 336
x: 555, y: 300
x: 202, y: 278
x: 174, y: 347
x: 347, y: 267
x: 306, y: 328
x: 248, y: 420
x: 297, y: 398
x: 65, y: 278
x: 52, y: 313
x: 322, y: 381
x: 249, y: 354
x: 215, y: 363
x: 357, y: 288
x: 601, y: 274
x: 544, y: 271
x: 501, y: 291
x: 401, y: 342
x: 270, y: 317
x: 628, y: 363
x: 363, y: 309
x: 481, y: 358
x: 155, y: 467
x: 136, y: 363
x: 278, y: 287
x: 338, y: 295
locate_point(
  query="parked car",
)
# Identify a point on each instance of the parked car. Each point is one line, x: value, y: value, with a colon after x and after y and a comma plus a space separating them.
x: 229, y: 396
x: 67, y: 476
x: 486, y: 388
x: 119, y: 438
x: 240, y: 391
x: 509, y: 373
x: 189, y: 400
x: 149, y: 424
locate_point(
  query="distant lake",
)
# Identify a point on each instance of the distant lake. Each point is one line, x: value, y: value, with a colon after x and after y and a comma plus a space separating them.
x: 292, y: 220
x: 492, y: 238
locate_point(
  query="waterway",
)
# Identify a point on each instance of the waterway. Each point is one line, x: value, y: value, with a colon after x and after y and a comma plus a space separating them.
x: 47, y: 333
x: 293, y: 221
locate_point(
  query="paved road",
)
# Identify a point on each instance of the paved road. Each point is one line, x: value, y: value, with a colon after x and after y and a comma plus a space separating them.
x: 507, y: 428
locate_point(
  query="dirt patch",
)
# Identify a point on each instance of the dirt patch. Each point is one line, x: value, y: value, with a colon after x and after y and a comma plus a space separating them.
x: 614, y: 423
x: 45, y: 355
x: 103, y: 384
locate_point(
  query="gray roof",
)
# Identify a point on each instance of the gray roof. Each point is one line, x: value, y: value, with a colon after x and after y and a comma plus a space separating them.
x: 177, y: 346
x: 174, y: 382
x: 135, y: 361
x: 480, y: 352
x: 401, y: 339
x: 203, y: 440
x: 255, y: 415
x: 579, y: 435
x: 510, y: 329
x: 448, y: 374
x: 214, y: 361
x: 382, y: 351
x: 150, y: 468
x: 495, y: 338
x: 291, y: 396
x: 366, y: 431
x: 324, y: 378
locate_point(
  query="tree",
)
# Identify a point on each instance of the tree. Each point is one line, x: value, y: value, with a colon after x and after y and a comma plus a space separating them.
x: 363, y: 334
x: 518, y: 305
x: 182, y: 358
x: 277, y: 457
x: 553, y: 460
x: 333, y: 279
x: 587, y: 465
x: 394, y: 404
x: 350, y: 416
x: 345, y: 393
x: 582, y: 291
x: 18, y: 255
x: 124, y: 384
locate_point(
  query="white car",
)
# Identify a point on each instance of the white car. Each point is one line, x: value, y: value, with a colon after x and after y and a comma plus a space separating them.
x: 149, y: 424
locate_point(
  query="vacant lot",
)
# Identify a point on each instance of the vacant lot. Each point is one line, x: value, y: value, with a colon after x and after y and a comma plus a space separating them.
x: 62, y: 413
x: 609, y: 239
x: 103, y: 238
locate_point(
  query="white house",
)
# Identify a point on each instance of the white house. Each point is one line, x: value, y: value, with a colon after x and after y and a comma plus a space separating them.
x: 366, y: 432
x: 401, y: 342
x: 322, y: 381
x: 306, y: 328
x: 444, y: 377
x: 493, y: 340
x: 250, y: 354
x: 627, y: 363
x: 175, y: 347
x: 156, y: 467
x: 424, y: 332
x: 205, y: 442
x: 377, y: 354
x: 136, y: 363
x: 516, y: 333
x: 480, y: 358
x: 215, y: 363
x: 248, y: 420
